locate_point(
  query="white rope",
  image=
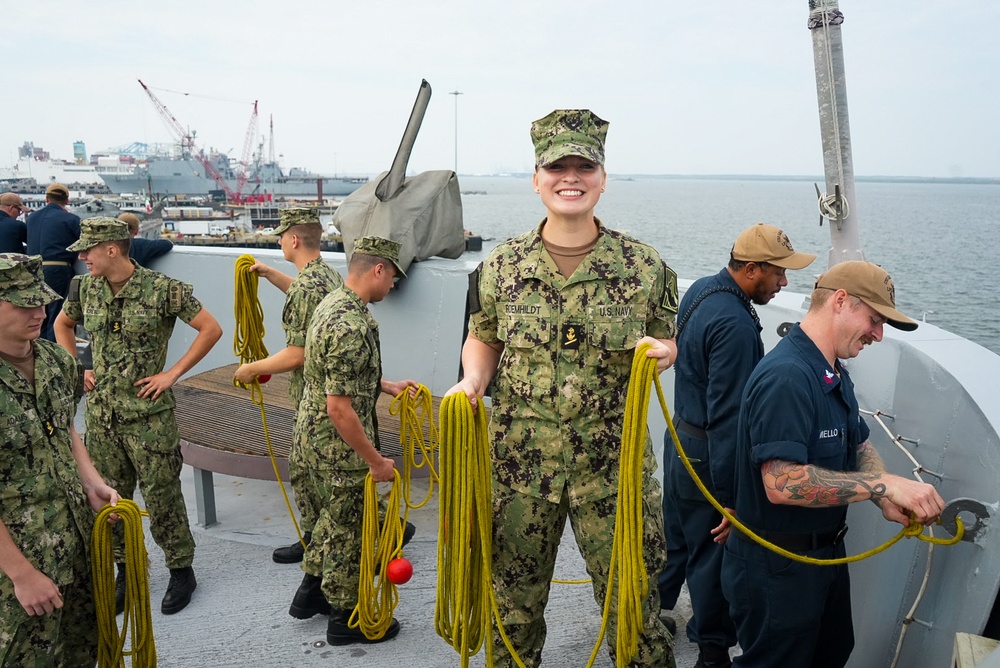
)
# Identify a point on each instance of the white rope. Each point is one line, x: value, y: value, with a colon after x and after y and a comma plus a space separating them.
x: 897, y: 440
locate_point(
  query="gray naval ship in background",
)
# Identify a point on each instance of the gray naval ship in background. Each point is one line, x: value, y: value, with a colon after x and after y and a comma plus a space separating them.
x: 164, y: 176
x: 932, y: 398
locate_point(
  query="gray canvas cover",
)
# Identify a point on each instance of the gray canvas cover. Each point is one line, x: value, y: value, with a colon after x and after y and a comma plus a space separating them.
x: 424, y: 216
x: 423, y: 212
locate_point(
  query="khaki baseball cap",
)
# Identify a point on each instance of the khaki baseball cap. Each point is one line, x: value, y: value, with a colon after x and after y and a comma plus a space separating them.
x: 766, y: 243
x: 98, y: 230
x: 297, y: 216
x: 871, y: 284
x: 57, y: 189
x: 12, y: 199
x: 383, y: 248
x: 569, y: 132
x: 22, y: 283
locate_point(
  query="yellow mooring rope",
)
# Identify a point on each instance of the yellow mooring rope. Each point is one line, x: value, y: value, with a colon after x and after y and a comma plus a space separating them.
x: 414, y: 413
x: 138, y: 618
x: 248, y: 346
x: 377, y: 595
x: 465, y: 598
x: 915, y: 530
x: 465, y: 524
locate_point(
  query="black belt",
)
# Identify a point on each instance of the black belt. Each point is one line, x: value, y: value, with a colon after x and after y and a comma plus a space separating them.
x: 691, y: 430
x: 797, y: 542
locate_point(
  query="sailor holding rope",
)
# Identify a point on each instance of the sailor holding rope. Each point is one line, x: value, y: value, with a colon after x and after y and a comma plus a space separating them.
x: 556, y: 315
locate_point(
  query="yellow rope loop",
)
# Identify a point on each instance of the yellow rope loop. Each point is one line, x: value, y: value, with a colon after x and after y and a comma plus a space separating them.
x: 377, y: 595
x: 138, y: 620
x: 248, y: 339
x: 626, y: 551
x: 248, y: 346
x: 414, y: 413
x: 465, y: 598
x: 915, y: 529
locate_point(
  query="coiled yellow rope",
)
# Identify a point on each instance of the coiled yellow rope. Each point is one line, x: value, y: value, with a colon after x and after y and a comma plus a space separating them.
x: 416, y: 414
x: 138, y: 620
x: 248, y: 346
x: 377, y: 595
x: 465, y: 599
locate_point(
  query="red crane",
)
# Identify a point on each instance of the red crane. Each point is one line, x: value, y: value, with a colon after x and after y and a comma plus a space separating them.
x: 186, y: 140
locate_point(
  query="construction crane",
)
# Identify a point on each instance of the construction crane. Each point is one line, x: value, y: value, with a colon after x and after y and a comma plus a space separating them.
x: 186, y: 140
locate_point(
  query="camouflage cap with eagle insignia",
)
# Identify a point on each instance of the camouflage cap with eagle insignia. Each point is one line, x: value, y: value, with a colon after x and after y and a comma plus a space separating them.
x: 22, y: 283
x: 569, y: 132
x: 94, y: 231
x: 297, y: 216
x: 387, y: 249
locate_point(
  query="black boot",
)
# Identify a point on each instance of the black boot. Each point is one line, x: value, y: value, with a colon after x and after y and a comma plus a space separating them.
x: 291, y: 554
x: 182, y: 585
x: 668, y: 621
x: 309, y: 599
x: 339, y: 633
x: 408, y: 532
x: 713, y: 656
x: 120, y: 590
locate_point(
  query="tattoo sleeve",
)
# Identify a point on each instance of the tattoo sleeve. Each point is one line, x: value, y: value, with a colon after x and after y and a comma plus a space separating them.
x: 808, y: 485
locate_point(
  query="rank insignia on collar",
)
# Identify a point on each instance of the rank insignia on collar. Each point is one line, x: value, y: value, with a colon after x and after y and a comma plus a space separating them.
x: 49, y: 428
x: 570, y: 338
x: 116, y: 326
x: 829, y: 377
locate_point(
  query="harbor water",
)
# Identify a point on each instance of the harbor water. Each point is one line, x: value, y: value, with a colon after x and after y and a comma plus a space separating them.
x: 937, y: 240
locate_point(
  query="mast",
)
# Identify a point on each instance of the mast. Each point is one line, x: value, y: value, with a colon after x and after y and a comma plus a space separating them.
x: 838, y: 205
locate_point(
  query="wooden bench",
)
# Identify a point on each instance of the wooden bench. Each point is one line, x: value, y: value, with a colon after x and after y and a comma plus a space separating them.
x: 221, y: 431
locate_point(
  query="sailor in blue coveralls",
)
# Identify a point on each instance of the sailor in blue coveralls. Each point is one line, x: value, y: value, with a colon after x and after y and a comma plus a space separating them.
x: 718, y: 345
x: 51, y: 230
x: 802, y: 455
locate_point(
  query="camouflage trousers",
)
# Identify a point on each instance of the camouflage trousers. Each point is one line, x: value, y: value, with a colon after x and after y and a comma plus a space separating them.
x: 146, y: 452
x: 526, y: 535
x: 335, y: 551
x: 66, y: 638
x: 306, y: 498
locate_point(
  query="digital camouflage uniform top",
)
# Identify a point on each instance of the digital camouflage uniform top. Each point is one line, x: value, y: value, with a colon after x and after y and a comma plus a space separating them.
x: 561, y: 383
x: 42, y: 502
x: 342, y: 359
x: 316, y: 280
x: 130, y: 332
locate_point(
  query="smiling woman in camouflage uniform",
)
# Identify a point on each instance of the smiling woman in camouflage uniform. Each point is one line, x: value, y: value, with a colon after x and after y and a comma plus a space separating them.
x: 48, y: 486
x: 132, y: 435
x: 556, y: 315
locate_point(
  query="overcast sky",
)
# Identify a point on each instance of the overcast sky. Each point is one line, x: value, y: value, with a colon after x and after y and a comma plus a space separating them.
x: 689, y: 87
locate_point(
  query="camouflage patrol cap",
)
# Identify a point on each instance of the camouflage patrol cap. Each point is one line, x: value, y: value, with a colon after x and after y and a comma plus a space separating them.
x: 569, y: 132
x: 97, y: 230
x: 299, y: 216
x: 383, y: 248
x: 21, y: 281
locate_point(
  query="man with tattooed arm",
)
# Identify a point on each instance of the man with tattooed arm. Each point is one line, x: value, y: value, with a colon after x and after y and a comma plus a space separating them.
x: 802, y: 455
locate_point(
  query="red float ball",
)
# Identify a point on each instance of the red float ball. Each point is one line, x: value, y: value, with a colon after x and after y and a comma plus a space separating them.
x: 263, y: 378
x: 399, y: 571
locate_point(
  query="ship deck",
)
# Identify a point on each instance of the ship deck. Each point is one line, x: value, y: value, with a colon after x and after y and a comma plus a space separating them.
x: 239, y: 614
